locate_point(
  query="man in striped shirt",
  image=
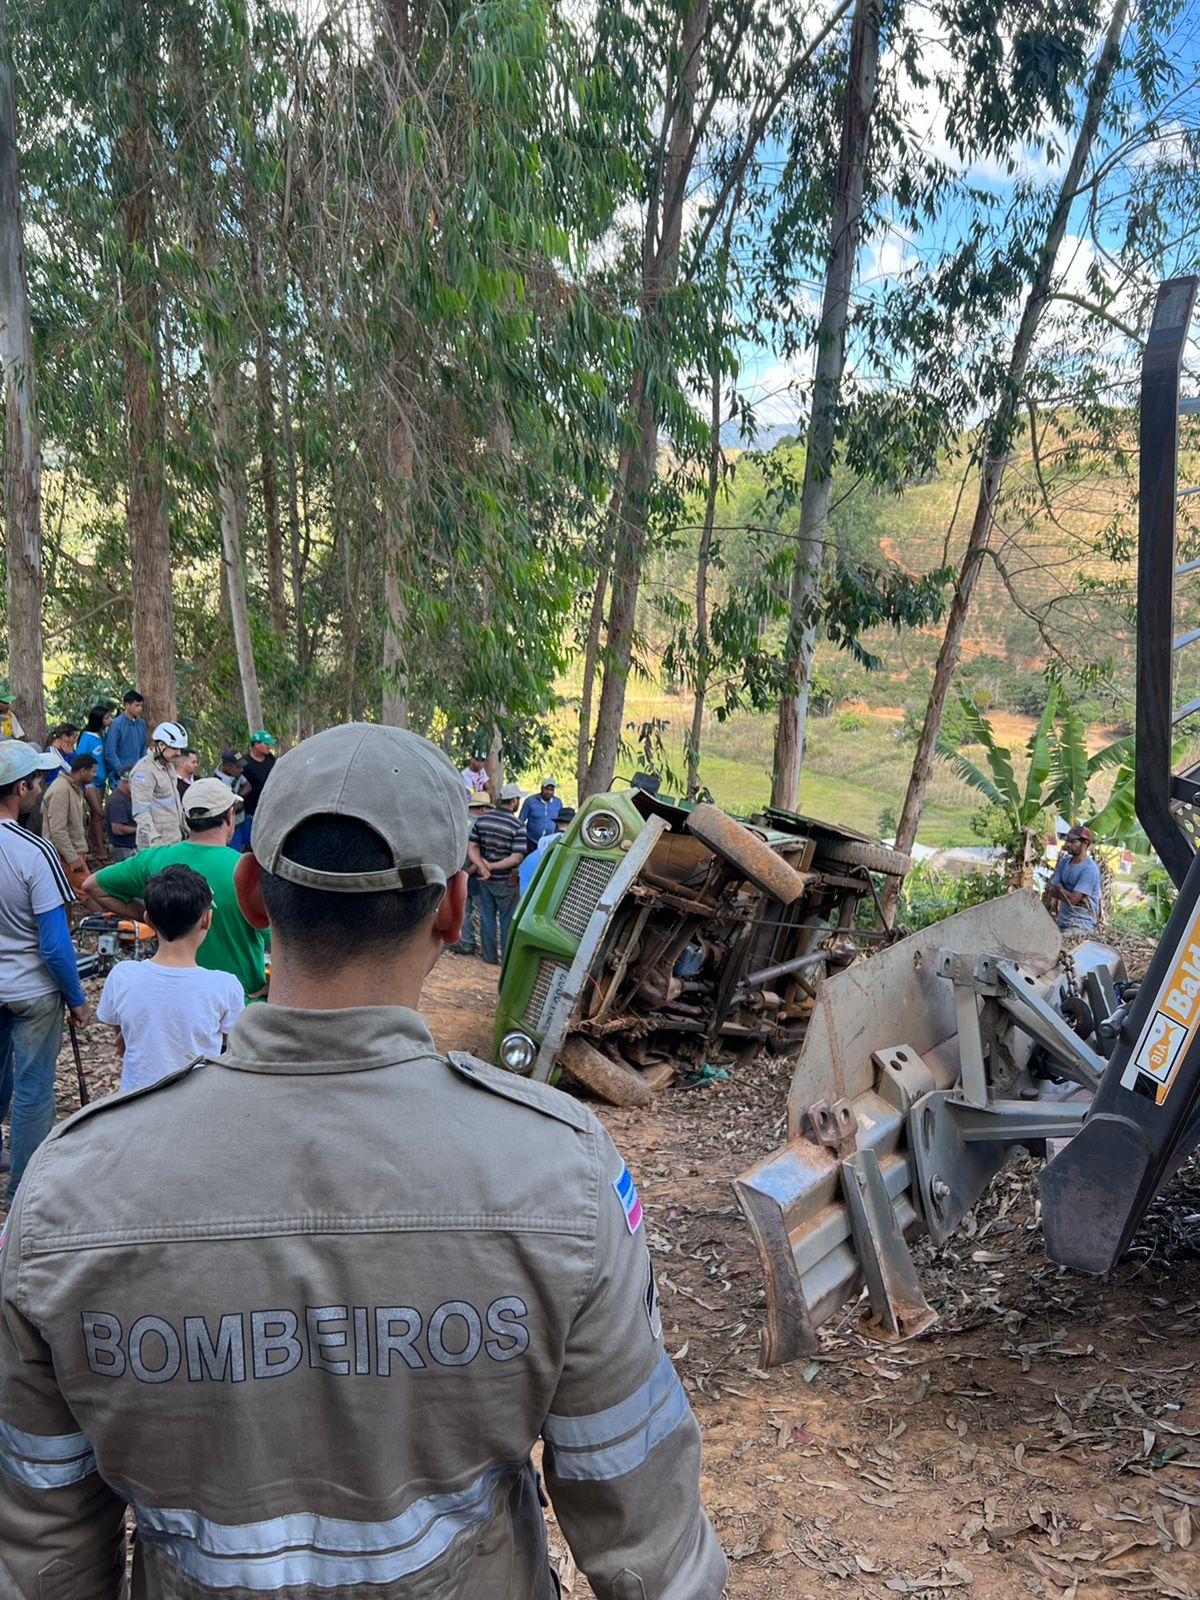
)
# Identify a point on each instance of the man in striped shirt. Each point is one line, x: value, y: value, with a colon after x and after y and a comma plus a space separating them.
x: 497, y: 846
x: 37, y: 961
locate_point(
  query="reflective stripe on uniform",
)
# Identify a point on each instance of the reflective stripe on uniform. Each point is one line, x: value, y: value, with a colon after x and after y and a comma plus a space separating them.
x: 304, y: 1548
x: 44, y: 1461
x: 608, y: 1444
x: 154, y: 800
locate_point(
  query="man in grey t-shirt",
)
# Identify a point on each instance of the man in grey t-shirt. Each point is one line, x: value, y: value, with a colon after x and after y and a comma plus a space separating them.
x: 1075, y: 886
x: 37, y: 960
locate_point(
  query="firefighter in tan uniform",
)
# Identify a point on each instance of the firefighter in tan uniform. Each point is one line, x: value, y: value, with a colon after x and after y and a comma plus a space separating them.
x: 154, y: 789
x: 307, y: 1308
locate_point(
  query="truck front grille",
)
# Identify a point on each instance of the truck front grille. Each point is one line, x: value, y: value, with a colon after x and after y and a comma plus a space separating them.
x: 588, y: 883
x: 546, y: 972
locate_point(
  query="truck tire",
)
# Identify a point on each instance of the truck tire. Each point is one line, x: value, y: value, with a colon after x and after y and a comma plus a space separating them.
x: 743, y: 849
x: 858, y: 853
x: 609, y: 1080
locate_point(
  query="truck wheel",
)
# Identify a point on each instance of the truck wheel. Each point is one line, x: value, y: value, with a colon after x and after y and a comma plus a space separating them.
x: 743, y: 849
x: 858, y: 853
x: 609, y: 1080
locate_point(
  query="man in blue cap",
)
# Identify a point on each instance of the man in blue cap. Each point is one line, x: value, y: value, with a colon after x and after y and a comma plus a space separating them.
x: 37, y: 961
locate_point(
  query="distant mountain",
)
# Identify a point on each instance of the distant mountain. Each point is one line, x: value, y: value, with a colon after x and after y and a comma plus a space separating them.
x: 764, y: 438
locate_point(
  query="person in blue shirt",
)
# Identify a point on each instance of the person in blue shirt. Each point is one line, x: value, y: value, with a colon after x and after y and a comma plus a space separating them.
x: 125, y: 741
x: 532, y: 861
x: 1075, y: 886
x: 540, y: 812
x: 91, y: 743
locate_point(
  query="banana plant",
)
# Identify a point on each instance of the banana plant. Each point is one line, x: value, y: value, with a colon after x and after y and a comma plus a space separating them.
x: 1023, y: 805
x: 1073, y: 771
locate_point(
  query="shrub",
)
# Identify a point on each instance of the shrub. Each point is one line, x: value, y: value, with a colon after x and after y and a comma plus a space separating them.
x: 954, y: 723
x: 851, y: 721
x: 1150, y: 915
x: 929, y: 896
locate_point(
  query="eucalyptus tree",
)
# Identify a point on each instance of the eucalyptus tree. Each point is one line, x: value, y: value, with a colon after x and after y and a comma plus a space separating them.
x: 1106, y: 123
x: 858, y: 108
x: 91, y: 93
x: 455, y: 164
x: 1011, y: 65
x: 22, y: 453
x: 720, y: 78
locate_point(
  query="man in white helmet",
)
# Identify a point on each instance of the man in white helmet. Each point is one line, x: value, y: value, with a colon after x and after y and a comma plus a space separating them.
x: 157, y: 809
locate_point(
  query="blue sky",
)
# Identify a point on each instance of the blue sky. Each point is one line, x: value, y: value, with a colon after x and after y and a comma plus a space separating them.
x: 891, y: 252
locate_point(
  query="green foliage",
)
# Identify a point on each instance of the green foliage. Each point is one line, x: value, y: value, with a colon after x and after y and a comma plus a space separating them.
x: 954, y: 730
x: 1058, y: 772
x: 74, y: 693
x: 417, y: 265
x: 1017, y: 807
x: 1150, y: 915
x: 929, y: 896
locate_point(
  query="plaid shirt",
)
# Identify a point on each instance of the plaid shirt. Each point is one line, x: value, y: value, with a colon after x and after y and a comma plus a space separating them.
x: 499, y: 835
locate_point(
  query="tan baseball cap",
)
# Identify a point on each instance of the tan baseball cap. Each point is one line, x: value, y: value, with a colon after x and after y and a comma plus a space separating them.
x: 208, y: 797
x: 395, y: 782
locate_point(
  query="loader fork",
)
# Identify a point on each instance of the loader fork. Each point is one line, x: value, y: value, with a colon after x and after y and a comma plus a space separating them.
x: 1007, y: 1041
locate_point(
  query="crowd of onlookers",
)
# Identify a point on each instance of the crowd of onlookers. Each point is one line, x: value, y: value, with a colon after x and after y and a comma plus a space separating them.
x: 504, y: 848
x: 112, y: 818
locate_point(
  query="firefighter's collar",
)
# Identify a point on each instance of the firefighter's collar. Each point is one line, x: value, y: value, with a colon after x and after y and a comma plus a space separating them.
x: 267, y: 1038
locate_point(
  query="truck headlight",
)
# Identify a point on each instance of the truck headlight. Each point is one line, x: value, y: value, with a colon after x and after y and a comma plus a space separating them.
x: 517, y: 1052
x: 601, y: 830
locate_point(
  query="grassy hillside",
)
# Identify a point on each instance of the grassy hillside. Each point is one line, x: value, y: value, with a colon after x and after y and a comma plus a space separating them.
x: 1061, y: 573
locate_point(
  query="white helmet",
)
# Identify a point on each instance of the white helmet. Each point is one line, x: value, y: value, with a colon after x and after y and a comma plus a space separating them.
x: 172, y: 734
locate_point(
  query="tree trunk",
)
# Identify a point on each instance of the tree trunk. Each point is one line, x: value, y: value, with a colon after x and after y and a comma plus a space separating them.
x: 22, y: 446
x: 807, y: 571
x: 495, y: 764
x: 703, y: 559
x: 997, y: 441
x: 396, y: 513
x: 231, y: 491
x: 591, y: 651
x: 660, y: 257
x: 268, y: 459
x: 296, y: 572
x: 622, y: 611
x: 591, y: 656
x: 146, y: 514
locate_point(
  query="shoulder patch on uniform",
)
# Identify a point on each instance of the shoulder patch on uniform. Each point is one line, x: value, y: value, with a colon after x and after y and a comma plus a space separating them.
x: 628, y: 1196
x: 112, y: 1102
x: 537, y: 1096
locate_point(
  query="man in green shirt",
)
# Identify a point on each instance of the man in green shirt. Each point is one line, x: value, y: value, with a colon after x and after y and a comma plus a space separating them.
x: 232, y: 944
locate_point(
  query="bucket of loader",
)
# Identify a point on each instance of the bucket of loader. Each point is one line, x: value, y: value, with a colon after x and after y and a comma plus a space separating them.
x: 921, y: 1071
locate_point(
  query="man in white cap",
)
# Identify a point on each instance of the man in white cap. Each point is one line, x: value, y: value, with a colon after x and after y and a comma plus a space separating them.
x: 498, y: 845
x: 37, y: 962
x: 342, y: 1283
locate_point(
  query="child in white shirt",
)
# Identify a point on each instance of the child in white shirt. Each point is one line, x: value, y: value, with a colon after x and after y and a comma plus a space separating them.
x: 167, y: 1011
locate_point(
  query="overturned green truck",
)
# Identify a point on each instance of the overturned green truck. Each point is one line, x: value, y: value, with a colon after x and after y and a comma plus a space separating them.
x: 657, y: 937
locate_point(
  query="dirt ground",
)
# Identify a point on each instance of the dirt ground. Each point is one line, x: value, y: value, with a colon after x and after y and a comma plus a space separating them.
x: 1042, y: 1440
